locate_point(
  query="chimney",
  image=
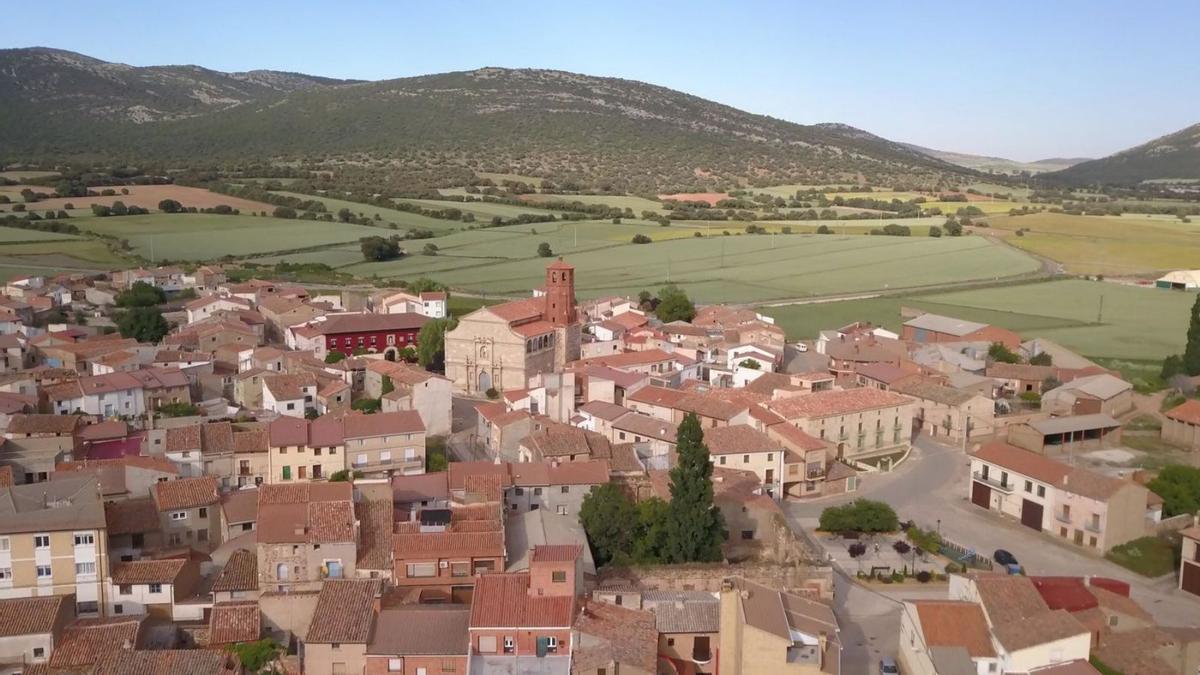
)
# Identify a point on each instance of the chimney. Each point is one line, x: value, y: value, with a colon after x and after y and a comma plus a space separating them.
x: 299, y: 530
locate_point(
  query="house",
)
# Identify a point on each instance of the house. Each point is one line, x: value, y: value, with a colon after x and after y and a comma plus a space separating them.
x: 764, y: 630
x: 307, y: 533
x: 290, y: 395
x: 688, y: 624
x: 562, y: 442
x: 865, y: 423
x: 189, y: 512
x: 743, y: 447
x: 945, y: 636
x: 608, y: 638
x: 239, y: 512
x: 654, y: 438
x: 954, y: 415
x: 426, y: 303
x: 417, y: 639
x: 151, y: 586
x: 342, y: 626
x: 1087, y: 508
x: 1100, y: 393
x: 500, y: 347
x: 234, y: 622
x: 1189, y: 565
x: 34, y: 444
x: 415, y: 492
x: 31, y: 628
x: 1065, y: 434
x: 501, y: 430
x: 1181, y: 425
x: 556, y: 486
x: 1026, y: 633
x: 133, y: 528
x: 53, y: 541
x: 121, y: 477
x: 303, y: 449
x: 384, y: 444
x: 519, y: 617
x: 933, y: 328
x: 383, y: 334
x: 439, y: 556
x: 209, y: 305
x: 849, y: 353
x: 411, y: 388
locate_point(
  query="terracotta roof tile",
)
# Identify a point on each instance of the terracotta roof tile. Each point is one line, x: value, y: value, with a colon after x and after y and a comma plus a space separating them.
x: 617, y: 635
x: 185, y: 493
x: 345, y: 612
x: 422, y: 630
x: 383, y: 424
x: 835, y: 402
x: 948, y: 623
x: 86, y: 641
x: 29, y: 616
x: 503, y: 601
x: 239, y: 574
x: 157, y: 661
x: 131, y: 516
x: 421, y: 545
x: 306, y: 512
x: 1188, y: 411
x: 556, y: 553
x: 37, y: 424
x: 737, y: 439
x: 374, y: 534
x: 519, y: 310
x: 238, y: 621
x: 147, y: 571
x: 363, y: 323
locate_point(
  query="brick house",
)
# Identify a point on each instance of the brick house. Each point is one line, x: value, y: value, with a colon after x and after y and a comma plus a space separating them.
x: 440, y: 555
x: 933, y: 328
x: 1182, y: 425
x: 419, y: 639
x: 375, y: 333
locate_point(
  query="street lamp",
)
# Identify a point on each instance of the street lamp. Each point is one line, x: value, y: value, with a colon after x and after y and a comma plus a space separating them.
x: 939, y: 527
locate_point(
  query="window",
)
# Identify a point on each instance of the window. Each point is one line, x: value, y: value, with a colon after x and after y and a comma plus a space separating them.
x: 552, y: 642
x: 558, y: 577
x: 395, y: 665
x: 747, y: 534
x: 770, y: 457
x: 156, y: 588
x: 1029, y: 486
x: 87, y: 607
x: 385, y: 456
x: 43, y: 572
x: 85, y: 568
x: 670, y: 642
x: 418, y: 570
x: 179, y: 515
x: 125, y: 590
x: 41, y: 541
x: 360, y: 459
x: 118, y: 609
x: 561, y: 509
x: 722, y: 461
x: 566, y: 489
x: 4, y: 544
x: 745, y: 459
x: 85, y: 539
x: 5, y: 574
x: 509, y: 645
x: 39, y: 652
x: 291, y: 406
x: 1041, y: 490
x: 537, y: 492
x: 520, y: 492
x: 203, y: 512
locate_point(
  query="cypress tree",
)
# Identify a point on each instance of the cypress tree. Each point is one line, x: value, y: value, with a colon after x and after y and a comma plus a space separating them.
x: 694, y: 527
x: 1191, y: 353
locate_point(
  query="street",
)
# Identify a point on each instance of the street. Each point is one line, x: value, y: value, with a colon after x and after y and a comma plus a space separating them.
x: 930, y: 488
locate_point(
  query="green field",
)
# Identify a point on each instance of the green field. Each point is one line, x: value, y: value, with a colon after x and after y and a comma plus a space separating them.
x: 713, y: 269
x: 12, y: 235
x: 1112, y: 245
x: 638, y: 204
x: 403, y: 219
x: 484, y: 211
x: 1068, y: 312
x: 198, y: 236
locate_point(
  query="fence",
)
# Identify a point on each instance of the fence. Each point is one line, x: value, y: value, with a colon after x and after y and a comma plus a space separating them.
x: 964, y: 556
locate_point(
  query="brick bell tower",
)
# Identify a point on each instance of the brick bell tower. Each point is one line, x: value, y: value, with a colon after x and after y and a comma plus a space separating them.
x: 560, y: 311
x: 560, y: 294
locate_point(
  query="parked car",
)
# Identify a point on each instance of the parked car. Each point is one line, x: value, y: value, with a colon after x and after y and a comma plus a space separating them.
x: 1005, y: 558
x: 887, y: 666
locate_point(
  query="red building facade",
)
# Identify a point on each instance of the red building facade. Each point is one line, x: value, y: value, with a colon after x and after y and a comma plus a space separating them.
x: 372, y: 332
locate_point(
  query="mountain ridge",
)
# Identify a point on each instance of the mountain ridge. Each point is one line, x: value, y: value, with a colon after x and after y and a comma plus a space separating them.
x: 1172, y: 156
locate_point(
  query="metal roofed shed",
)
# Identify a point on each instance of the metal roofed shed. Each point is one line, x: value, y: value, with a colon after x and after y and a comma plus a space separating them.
x: 1076, y: 432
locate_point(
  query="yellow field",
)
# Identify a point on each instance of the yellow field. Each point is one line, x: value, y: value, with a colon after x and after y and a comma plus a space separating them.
x: 989, y: 207
x: 1111, y: 245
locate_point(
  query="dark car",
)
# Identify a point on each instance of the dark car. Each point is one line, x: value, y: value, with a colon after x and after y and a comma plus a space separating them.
x: 1004, y: 557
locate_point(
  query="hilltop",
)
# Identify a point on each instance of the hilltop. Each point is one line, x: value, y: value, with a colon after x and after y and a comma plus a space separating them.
x: 999, y: 164
x: 597, y: 131
x: 1174, y: 156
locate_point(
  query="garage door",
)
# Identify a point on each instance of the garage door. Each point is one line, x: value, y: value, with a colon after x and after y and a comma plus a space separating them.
x: 1031, y: 514
x: 1191, y: 578
x: 981, y: 495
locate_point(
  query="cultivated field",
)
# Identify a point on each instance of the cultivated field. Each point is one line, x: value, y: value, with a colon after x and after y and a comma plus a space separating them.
x: 148, y: 197
x: 638, y: 204
x: 1111, y: 245
x: 199, y: 236
x: 402, y: 219
x: 484, y: 211
x: 1068, y: 312
x: 713, y: 269
x: 12, y: 235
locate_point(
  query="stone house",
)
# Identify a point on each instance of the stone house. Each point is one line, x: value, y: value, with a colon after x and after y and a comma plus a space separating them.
x: 189, y: 512
x: 307, y: 534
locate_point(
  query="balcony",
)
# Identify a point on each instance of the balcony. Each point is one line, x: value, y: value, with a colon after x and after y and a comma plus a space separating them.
x: 1062, y: 517
x: 701, y: 652
x: 1093, y: 527
x: 990, y: 480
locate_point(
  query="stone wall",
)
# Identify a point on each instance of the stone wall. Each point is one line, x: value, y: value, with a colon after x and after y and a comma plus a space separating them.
x: 709, y: 576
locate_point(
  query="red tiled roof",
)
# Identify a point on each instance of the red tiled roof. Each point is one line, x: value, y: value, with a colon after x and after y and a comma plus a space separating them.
x: 131, y: 516
x: 365, y: 323
x: 87, y: 640
x: 835, y: 402
x: 737, y: 439
x: 345, y: 612
x: 383, y: 424
x: 503, y: 601
x: 1188, y: 411
x: 185, y: 493
x: 628, y: 359
x: 147, y: 571
x: 29, y: 616
x: 420, y: 545
x: 949, y: 623
x: 239, y: 574
x: 238, y: 621
x: 556, y: 553
x: 519, y: 310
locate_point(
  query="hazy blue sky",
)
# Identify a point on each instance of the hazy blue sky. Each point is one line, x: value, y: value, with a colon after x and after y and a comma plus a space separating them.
x: 1025, y: 80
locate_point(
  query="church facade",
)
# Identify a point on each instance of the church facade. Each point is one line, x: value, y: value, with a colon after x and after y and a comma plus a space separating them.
x: 502, y: 346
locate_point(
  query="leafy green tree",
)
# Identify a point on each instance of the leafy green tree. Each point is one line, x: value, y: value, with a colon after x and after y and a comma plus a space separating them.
x: 935, y: 231
x: 284, y: 212
x: 674, y: 305
x: 1179, y: 486
x: 694, y: 528
x: 378, y: 249
x: 259, y: 656
x: 430, y: 249
x: 1172, y: 366
x: 544, y: 251
x: 641, y: 239
x: 170, y: 206
x: 334, y: 356
x: 651, y: 532
x: 344, y: 475
x: 144, y: 324
x: 436, y: 459
x: 178, y: 410
x: 431, y: 343
x: 1002, y: 354
x: 141, y: 294
x: 609, y: 518
x: 824, y: 229
x: 1191, y: 352
x: 751, y: 364
x: 861, y: 515
x: 345, y: 215
x: 1041, y: 359
x: 386, y: 385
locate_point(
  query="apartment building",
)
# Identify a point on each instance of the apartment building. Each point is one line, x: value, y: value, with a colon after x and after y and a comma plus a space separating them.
x: 302, y: 450
x: 54, y: 541
x: 385, y: 444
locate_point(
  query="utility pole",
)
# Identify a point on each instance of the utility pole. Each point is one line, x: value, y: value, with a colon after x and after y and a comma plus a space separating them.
x: 1100, y: 312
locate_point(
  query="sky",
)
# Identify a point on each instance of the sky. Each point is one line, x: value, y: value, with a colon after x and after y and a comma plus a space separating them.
x: 1021, y: 79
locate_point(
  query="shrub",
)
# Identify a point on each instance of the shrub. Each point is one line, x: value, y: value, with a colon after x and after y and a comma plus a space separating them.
x: 897, y: 577
x: 856, y: 550
x: 901, y: 547
x: 886, y: 580
x: 641, y: 239
x: 862, y: 515
x: 953, y: 568
x: 924, y: 576
x: 492, y: 394
x: 1031, y: 397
